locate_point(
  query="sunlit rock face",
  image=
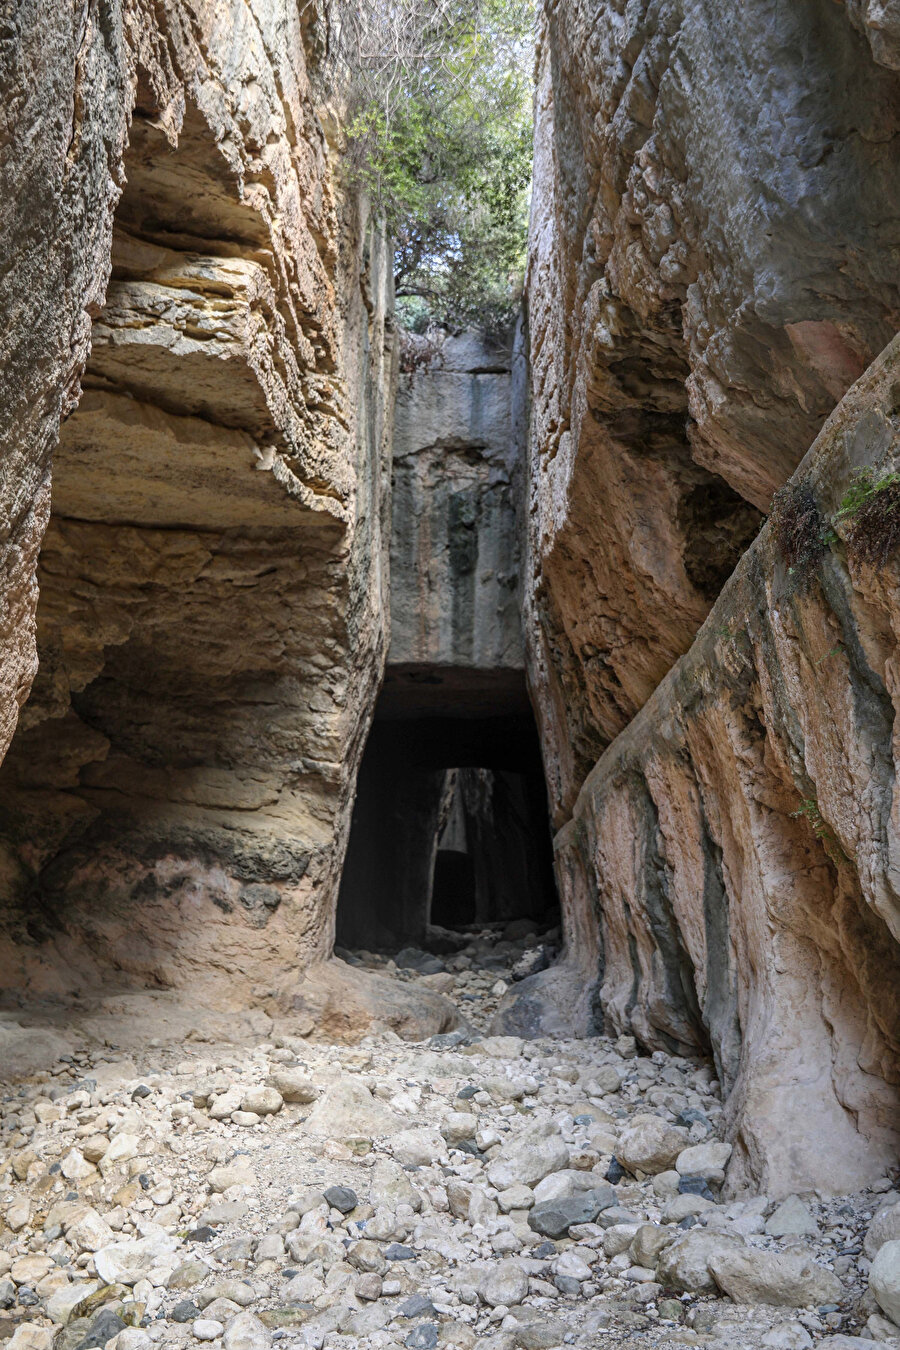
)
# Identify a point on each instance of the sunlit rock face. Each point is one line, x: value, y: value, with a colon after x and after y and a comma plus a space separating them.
x: 211, y: 617
x: 711, y: 268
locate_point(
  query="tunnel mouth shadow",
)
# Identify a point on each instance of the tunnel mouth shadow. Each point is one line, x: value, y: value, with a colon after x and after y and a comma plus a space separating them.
x: 450, y: 828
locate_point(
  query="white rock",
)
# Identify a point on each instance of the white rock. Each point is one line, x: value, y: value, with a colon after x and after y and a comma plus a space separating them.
x: 884, y: 1279
x: 207, y: 1329
x: 348, y: 1110
x: 649, y: 1243
x: 294, y: 1085
x: 28, y: 1337
x: 665, y: 1184
x: 239, y: 1173
x: 223, y: 1106
x: 790, y: 1279
x: 568, y: 1181
x: 458, y: 1126
x: 849, y: 1343
x: 505, y: 1283
x: 684, y: 1266
x: 791, y: 1336
x: 791, y: 1216
x: 389, y: 1186
x: 75, y: 1166
x: 63, y: 1301
x: 130, y: 1261
x: 133, y: 1338
x: 516, y: 1197
x: 619, y: 1238
x: 262, y: 1101
x: 528, y: 1158
x: 90, y: 1232
x: 573, y: 1266
x: 418, y: 1147
x: 18, y: 1214
x: 502, y: 1047
x: 680, y: 1206
x: 885, y: 1227
x: 602, y: 1081
x: 122, y: 1147
x: 246, y: 1332
x: 650, y: 1144
x: 704, y: 1160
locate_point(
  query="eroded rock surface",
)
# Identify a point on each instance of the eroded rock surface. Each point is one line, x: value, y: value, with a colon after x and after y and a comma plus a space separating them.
x: 709, y: 273
x: 735, y: 846
x: 211, y: 623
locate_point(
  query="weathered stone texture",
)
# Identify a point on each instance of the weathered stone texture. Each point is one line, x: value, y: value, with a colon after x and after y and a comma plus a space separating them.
x: 711, y: 268
x: 59, y: 168
x: 455, y: 551
x: 739, y: 844
x: 211, y: 622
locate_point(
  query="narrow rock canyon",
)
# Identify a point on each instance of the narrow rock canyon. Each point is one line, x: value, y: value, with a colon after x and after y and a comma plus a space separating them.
x: 449, y: 799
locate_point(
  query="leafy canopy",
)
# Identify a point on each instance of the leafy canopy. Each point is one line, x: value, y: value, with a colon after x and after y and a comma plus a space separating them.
x: 440, y: 133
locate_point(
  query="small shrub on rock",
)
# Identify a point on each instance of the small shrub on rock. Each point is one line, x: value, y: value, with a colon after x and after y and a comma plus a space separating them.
x: 871, y: 508
x: 801, y: 531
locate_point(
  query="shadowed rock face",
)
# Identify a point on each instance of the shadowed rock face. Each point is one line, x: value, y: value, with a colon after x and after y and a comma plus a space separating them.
x: 734, y: 849
x: 710, y: 271
x: 210, y: 626
x: 455, y: 540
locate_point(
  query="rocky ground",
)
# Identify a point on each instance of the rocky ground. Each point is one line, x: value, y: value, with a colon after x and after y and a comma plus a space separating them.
x: 469, y: 1190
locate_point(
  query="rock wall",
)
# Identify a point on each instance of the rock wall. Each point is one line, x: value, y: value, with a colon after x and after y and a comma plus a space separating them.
x: 710, y: 272
x: 211, y: 626
x: 737, y: 845
x: 711, y: 269
x: 455, y: 533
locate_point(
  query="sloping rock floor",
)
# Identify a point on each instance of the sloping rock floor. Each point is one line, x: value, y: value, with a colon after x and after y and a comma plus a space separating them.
x: 472, y: 1190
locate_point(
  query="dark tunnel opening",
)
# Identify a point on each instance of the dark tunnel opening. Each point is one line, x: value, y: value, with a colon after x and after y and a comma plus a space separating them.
x: 453, y: 893
x: 451, y: 826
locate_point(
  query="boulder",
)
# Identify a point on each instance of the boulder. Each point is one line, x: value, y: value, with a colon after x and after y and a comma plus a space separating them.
x: 130, y: 1261
x: 246, y: 1332
x: 419, y: 1147
x: 885, y: 1227
x: 347, y: 1110
x: 649, y: 1144
x: 504, y: 1283
x: 684, y: 1267
x: 262, y: 1101
x: 791, y: 1217
x: 884, y: 1279
x: 528, y: 1158
x: 294, y: 1085
x: 790, y: 1279
x: 704, y: 1160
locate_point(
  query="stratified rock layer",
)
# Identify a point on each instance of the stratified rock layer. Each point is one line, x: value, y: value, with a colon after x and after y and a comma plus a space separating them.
x: 211, y: 618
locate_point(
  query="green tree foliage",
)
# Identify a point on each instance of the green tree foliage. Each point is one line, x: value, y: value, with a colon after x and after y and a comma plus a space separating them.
x: 440, y: 132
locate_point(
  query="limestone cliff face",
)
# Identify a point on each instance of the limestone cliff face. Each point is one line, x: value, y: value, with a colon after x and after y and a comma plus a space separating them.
x: 737, y: 845
x: 454, y: 544
x: 211, y: 617
x: 710, y: 272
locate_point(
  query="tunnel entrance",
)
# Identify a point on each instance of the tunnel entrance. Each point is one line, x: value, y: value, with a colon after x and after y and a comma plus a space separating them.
x: 450, y: 826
